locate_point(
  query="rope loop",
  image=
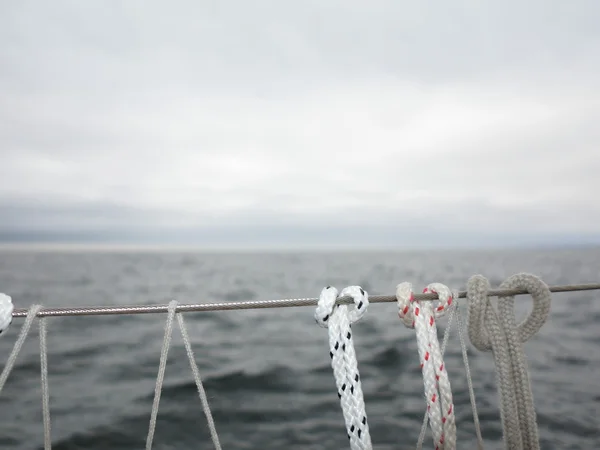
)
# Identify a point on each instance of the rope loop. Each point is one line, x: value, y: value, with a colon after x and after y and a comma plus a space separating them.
x: 438, y: 394
x: 338, y: 320
x: 498, y: 331
x: 326, y: 305
x: 480, y: 306
x: 405, y: 297
x: 542, y: 298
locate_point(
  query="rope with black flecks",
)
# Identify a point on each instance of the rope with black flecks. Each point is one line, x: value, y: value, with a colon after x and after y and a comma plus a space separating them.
x: 338, y: 319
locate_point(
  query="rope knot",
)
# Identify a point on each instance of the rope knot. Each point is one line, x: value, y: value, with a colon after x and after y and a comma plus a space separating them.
x: 405, y: 297
x: 326, y: 305
x: 338, y: 318
x: 498, y: 331
x: 480, y: 306
x: 421, y: 316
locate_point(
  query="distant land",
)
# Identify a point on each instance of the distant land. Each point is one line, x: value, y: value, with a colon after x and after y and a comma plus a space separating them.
x: 293, y: 238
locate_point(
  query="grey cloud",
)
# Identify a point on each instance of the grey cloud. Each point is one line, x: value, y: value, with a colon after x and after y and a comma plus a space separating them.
x: 288, y: 116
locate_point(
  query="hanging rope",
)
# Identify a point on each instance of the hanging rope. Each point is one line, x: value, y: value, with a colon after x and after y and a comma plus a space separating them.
x: 338, y: 320
x: 160, y: 378
x: 438, y: 394
x: 489, y: 330
x: 463, y: 347
x: 12, y: 358
x: 498, y: 332
x: 45, y: 388
x: 454, y: 311
x: 203, y: 398
x: 6, y: 308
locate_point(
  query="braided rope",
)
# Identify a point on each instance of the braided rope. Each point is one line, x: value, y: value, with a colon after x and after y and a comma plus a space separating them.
x: 498, y: 332
x: 338, y: 319
x: 160, y: 378
x: 6, y: 312
x: 5, y: 307
x: 421, y: 316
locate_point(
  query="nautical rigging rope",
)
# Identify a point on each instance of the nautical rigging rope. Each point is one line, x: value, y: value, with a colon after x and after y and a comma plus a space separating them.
x: 454, y: 311
x: 161, y: 377
x: 438, y: 394
x: 12, y: 358
x: 26, y: 327
x: 338, y: 319
x: 44, y: 380
x: 488, y: 329
x: 463, y: 346
x: 498, y: 332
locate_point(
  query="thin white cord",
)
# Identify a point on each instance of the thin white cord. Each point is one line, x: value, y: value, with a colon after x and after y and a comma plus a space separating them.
x: 438, y: 393
x: 161, y: 372
x: 343, y: 359
x: 45, y: 389
x: 12, y: 358
x: 463, y: 347
x: 209, y: 418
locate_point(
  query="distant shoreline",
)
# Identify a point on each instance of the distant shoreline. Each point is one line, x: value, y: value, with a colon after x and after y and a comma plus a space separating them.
x: 42, y: 247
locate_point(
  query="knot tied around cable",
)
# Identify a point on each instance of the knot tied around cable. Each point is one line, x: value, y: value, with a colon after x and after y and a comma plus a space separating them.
x: 338, y: 319
x: 421, y: 316
x: 497, y: 331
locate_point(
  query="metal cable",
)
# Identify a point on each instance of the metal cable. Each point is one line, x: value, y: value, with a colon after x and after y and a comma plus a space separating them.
x: 259, y: 304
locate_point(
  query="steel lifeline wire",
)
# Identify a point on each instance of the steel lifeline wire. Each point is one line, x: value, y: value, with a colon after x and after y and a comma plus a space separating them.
x: 489, y: 329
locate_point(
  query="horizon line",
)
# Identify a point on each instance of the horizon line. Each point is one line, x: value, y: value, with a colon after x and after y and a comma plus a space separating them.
x: 299, y: 248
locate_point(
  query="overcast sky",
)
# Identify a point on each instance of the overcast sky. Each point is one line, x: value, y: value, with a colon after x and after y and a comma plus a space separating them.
x: 265, y: 122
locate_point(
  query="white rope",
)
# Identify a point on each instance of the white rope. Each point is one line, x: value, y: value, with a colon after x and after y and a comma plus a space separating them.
x: 489, y: 330
x: 209, y: 418
x: 6, y: 311
x: 463, y: 346
x: 45, y: 389
x: 160, y: 378
x: 338, y: 319
x: 438, y: 394
x: 455, y: 310
x: 452, y: 310
x: 498, y: 332
x: 12, y: 358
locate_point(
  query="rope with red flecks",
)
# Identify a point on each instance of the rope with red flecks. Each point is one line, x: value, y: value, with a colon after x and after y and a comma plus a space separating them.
x: 421, y: 316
